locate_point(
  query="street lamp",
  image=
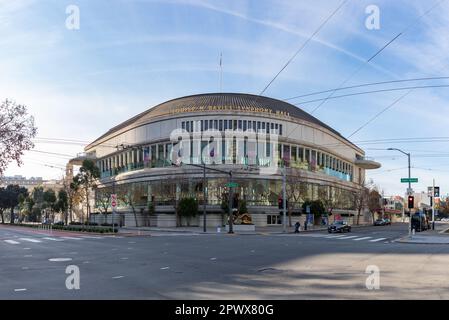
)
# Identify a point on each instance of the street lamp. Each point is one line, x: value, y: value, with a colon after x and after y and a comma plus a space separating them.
x: 409, y: 191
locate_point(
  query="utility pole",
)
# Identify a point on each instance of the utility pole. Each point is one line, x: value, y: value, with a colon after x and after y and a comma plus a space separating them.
x: 231, y: 196
x: 284, y: 200
x: 409, y: 190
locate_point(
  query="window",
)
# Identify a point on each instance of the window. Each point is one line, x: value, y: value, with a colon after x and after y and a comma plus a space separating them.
x: 216, y: 124
x: 307, y: 154
x: 301, y: 154
x: 294, y: 155
x: 249, y: 125
x: 206, y: 125
x: 211, y: 124
x: 183, y: 125
x: 202, y: 125
x: 263, y: 126
x: 240, y: 124
x: 244, y: 125
x: 220, y: 125
x: 268, y: 127
x: 280, y: 129
x: 258, y: 125
x: 235, y: 125
x: 254, y: 125
x: 225, y: 124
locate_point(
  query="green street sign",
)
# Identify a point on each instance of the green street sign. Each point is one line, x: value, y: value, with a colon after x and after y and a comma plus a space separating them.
x: 407, y: 180
x: 232, y: 185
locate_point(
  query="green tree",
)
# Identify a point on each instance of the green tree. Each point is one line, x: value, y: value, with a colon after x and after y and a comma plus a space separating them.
x: 62, y: 204
x: 87, y: 177
x: 188, y: 207
x: 12, y: 194
x: 3, y: 203
x: 50, y: 200
x: 316, y: 207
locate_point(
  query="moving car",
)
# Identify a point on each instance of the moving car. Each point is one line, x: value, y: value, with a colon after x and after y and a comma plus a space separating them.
x: 339, y: 226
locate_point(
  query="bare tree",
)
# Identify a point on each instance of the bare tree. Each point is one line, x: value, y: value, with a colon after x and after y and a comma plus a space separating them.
x: 296, y: 190
x: 16, y: 131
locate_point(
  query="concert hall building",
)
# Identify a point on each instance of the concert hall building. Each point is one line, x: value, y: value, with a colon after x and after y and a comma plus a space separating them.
x: 147, y: 160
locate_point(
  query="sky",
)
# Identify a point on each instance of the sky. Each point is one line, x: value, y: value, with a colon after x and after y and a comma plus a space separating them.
x: 129, y: 55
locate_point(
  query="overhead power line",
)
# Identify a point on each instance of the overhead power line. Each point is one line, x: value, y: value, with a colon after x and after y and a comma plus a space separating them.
x: 378, y: 52
x: 303, y: 45
x: 365, y: 85
x: 375, y: 91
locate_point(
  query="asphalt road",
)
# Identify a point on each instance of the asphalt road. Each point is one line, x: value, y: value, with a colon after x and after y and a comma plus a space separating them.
x: 186, y: 266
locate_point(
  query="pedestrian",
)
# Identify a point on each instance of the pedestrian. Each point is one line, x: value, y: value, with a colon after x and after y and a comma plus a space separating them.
x: 305, y: 225
x: 297, y: 226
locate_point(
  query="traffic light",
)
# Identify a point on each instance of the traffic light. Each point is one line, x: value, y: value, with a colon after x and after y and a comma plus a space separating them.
x: 436, y: 192
x: 411, y: 202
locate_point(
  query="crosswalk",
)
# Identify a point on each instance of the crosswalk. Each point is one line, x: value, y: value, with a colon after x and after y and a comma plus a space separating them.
x: 18, y: 241
x: 344, y: 237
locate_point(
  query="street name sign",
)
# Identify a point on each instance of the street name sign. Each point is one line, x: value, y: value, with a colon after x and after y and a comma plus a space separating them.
x: 232, y: 185
x: 407, y: 180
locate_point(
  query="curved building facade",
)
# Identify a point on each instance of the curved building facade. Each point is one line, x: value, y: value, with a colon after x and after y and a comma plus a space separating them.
x: 156, y: 158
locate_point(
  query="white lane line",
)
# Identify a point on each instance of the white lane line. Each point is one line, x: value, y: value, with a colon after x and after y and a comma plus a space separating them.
x: 52, y: 239
x: 91, y: 237
x: 347, y: 237
x: 30, y: 240
x: 18, y: 290
x: 165, y: 268
x: 117, y: 277
x: 339, y: 236
x: 72, y: 238
x: 379, y: 239
x: 363, y: 238
x: 12, y: 242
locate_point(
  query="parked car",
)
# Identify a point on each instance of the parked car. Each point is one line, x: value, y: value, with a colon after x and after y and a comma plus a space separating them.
x: 379, y: 222
x: 387, y: 221
x: 339, y: 226
x: 420, y: 222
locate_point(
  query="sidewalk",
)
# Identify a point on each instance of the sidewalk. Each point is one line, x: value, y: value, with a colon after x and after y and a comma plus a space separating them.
x: 214, y: 230
x: 438, y: 236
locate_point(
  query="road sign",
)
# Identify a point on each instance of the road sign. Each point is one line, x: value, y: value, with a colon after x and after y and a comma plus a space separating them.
x: 113, y: 200
x: 232, y: 184
x: 407, y: 180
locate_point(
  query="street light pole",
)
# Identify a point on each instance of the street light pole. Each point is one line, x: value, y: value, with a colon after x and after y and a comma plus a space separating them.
x: 409, y: 191
x: 204, y: 197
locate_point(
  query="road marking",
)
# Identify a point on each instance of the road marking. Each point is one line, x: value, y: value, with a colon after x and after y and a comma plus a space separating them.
x: 30, y: 240
x: 26, y: 248
x: 18, y: 290
x: 165, y: 268
x: 339, y: 236
x: 213, y: 259
x: 52, y: 239
x: 117, y: 277
x: 359, y: 239
x: 379, y: 239
x: 72, y: 238
x: 28, y: 256
x: 91, y: 237
x: 60, y: 259
x: 12, y: 242
x: 347, y: 237
x: 123, y: 258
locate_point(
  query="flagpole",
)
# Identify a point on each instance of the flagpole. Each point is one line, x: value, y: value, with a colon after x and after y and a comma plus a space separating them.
x: 221, y: 72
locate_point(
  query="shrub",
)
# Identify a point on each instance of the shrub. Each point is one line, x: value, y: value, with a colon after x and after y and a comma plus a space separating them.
x: 188, y: 207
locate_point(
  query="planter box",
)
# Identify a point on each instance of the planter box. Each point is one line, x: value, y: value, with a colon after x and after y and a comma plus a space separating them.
x: 242, y: 228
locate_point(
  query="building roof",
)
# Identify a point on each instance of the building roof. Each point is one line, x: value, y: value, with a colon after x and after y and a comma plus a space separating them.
x: 237, y: 100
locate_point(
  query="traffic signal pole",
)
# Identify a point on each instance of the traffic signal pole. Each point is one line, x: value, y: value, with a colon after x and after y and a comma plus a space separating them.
x: 284, y: 200
x: 433, y: 205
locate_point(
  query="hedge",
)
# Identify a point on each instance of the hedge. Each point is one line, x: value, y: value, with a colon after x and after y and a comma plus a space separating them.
x: 77, y: 228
